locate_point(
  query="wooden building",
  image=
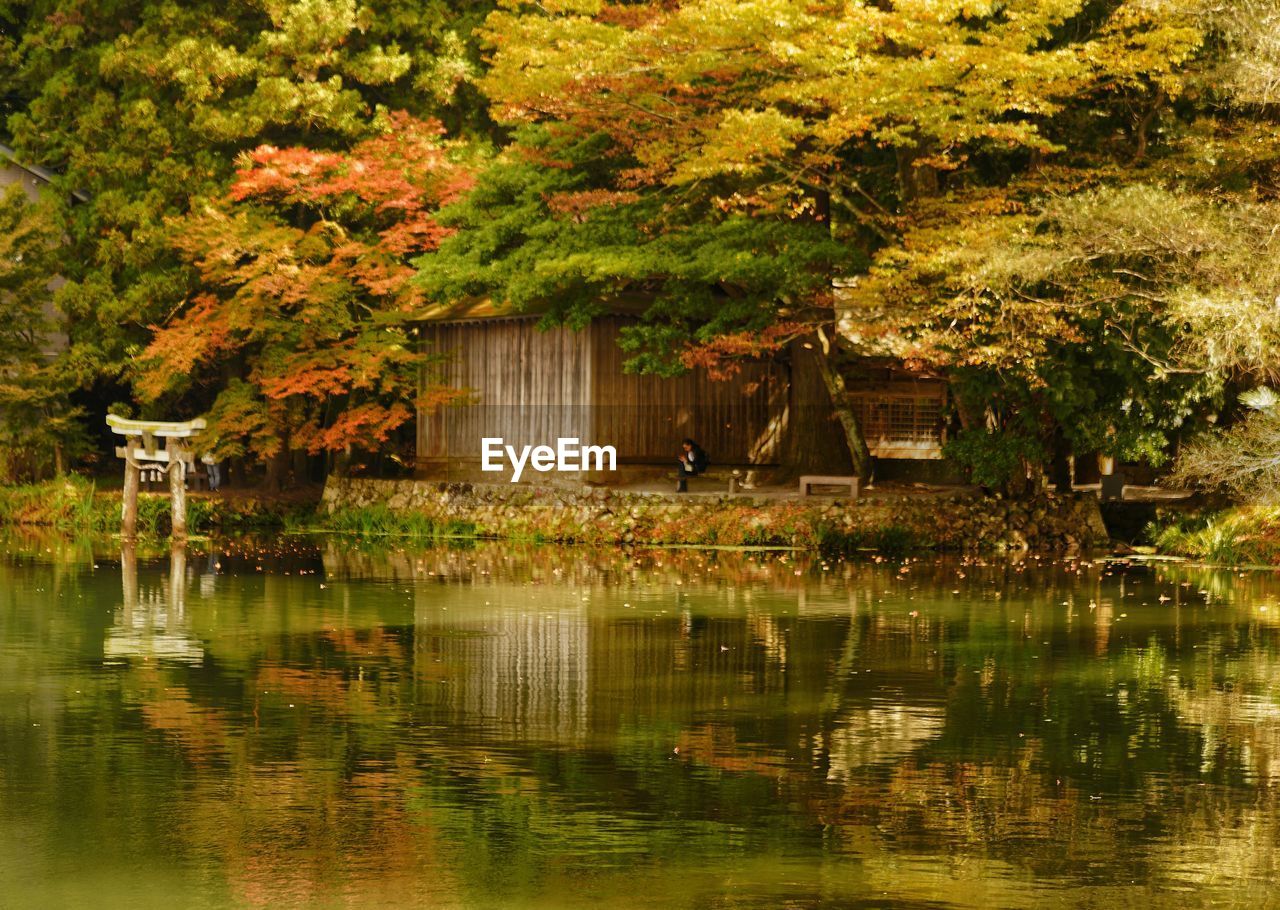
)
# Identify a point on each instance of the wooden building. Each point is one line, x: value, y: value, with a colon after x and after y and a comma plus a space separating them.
x: 531, y: 386
x: 31, y: 178
x: 903, y: 415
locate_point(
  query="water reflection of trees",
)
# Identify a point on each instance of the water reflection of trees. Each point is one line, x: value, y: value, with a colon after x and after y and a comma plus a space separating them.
x: 507, y: 717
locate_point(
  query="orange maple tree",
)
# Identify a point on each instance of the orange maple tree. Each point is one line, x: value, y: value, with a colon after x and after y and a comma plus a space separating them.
x: 301, y: 337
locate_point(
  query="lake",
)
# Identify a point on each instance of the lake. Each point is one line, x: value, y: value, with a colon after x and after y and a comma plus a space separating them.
x: 325, y: 724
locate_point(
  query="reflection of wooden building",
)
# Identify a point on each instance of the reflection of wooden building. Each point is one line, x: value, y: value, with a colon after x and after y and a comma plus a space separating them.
x: 520, y: 674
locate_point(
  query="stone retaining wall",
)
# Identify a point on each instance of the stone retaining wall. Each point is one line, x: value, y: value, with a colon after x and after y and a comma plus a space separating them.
x: 959, y: 522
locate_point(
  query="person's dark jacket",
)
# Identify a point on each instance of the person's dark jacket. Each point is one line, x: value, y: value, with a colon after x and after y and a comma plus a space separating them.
x: 697, y: 458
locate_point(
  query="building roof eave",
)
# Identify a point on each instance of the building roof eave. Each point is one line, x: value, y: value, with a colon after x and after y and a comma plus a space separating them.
x: 42, y: 174
x: 485, y: 309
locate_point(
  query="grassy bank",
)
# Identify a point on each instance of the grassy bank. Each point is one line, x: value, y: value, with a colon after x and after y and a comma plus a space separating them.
x: 425, y: 512
x: 69, y: 504
x: 74, y: 505
x: 1246, y: 535
x: 382, y: 521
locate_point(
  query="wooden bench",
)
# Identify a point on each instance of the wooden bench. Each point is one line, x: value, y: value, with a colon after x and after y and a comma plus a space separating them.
x: 812, y: 480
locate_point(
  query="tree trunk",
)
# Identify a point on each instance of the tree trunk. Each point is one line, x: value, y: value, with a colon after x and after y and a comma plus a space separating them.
x: 278, y: 464
x: 277, y: 468
x: 839, y: 392
x: 300, y: 470
x: 813, y: 432
x: 342, y: 462
x: 824, y: 358
x: 1060, y: 465
x: 970, y: 418
x: 915, y: 180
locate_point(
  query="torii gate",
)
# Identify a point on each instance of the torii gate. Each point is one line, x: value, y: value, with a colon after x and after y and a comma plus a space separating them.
x: 176, y: 453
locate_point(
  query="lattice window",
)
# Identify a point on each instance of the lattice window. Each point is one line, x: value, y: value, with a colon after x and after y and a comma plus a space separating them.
x: 901, y: 420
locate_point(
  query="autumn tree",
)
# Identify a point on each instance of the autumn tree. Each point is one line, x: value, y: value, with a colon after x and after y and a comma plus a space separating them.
x: 1113, y: 298
x: 734, y: 160
x: 1242, y: 460
x: 300, y: 336
x: 144, y: 108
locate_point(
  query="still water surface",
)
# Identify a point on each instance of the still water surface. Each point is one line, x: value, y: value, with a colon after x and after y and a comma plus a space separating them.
x: 553, y: 728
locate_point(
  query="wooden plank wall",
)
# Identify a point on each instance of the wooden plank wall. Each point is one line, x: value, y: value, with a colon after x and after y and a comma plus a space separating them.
x: 532, y: 386
x: 739, y: 421
x: 529, y: 386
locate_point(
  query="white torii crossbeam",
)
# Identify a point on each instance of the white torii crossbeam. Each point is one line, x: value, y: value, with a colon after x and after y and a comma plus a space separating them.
x: 140, y: 446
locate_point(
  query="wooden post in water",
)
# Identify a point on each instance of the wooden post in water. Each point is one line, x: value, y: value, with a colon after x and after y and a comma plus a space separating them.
x: 129, y: 504
x: 129, y: 578
x: 178, y: 491
x: 177, y: 579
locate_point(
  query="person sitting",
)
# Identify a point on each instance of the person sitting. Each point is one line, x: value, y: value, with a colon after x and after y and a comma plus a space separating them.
x: 693, y: 461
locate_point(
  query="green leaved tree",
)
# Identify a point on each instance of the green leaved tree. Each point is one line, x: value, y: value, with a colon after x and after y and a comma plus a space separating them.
x: 736, y: 160
x: 1113, y: 298
x: 38, y: 422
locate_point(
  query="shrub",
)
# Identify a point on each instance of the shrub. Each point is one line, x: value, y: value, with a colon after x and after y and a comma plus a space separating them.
x: 1249, y: 535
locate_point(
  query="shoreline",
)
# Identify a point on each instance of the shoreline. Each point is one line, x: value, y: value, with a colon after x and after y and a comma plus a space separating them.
x: 961, y: 522
x: 420, y: 512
